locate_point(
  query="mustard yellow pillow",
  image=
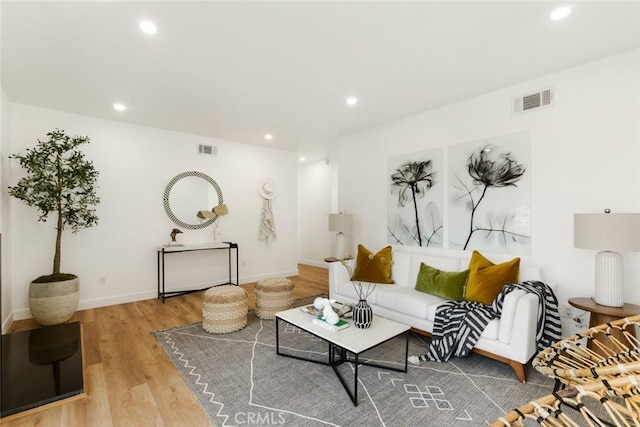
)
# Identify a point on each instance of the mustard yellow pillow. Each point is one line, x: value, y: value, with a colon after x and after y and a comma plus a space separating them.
x: 375, y: 268
x: 487, y: 279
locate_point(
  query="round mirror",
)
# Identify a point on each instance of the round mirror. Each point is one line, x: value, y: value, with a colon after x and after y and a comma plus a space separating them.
x: 189, y: 193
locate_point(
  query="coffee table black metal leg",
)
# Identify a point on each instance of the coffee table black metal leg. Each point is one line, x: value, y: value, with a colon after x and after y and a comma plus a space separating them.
x: 355, y: 383
x: 353, y: 395
x: 406, y: 350
x: 277, y: 336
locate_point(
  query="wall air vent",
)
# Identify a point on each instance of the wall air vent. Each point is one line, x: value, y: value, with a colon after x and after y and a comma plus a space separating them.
x: 208, y: 150
x: 533, y: 101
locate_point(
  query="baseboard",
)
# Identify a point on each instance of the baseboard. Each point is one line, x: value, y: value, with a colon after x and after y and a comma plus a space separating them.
x: 25, y: 313
x: 6, y: 324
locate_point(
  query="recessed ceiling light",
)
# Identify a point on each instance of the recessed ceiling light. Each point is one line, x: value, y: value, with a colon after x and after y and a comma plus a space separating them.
x: 560, y: 13
x: 148, y: 27
x: 268, y: 137
x: 119, y: 107
x: 302, y: 159
x: 352, y: 100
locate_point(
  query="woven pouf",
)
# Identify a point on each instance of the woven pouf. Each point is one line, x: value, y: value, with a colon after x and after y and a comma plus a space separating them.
x: 224, y: 309
x: 273, y: 295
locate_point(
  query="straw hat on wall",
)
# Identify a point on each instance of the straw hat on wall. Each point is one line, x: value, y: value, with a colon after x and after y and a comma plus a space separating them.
x: 267, y: 189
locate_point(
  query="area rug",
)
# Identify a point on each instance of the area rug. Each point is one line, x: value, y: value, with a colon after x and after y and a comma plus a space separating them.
x: 239, y: 380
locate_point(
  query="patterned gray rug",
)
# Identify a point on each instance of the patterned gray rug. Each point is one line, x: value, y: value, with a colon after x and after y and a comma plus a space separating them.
x: 240, y: 381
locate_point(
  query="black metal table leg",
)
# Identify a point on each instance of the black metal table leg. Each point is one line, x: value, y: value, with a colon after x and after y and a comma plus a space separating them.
x: 277, y: 336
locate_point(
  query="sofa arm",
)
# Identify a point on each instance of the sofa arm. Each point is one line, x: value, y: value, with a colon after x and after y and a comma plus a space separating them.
x: 508, y: 314
x: 521, y: 330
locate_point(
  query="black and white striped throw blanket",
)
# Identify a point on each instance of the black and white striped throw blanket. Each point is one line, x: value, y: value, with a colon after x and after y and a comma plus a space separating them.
x: 458, y: 325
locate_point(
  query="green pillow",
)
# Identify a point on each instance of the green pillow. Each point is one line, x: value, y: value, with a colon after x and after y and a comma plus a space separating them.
x: 445, y: 284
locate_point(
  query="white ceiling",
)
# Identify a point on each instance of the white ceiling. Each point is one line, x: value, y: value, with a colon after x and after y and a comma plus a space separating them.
x: 238, y: 70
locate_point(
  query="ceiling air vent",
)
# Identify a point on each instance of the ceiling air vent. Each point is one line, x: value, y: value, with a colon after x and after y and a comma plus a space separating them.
x: 533, y: 101
x: 208, y: 150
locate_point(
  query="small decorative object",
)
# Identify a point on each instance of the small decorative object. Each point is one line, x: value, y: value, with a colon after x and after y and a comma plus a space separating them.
x: 173, y: 234
x: 267, y: 190
x: 328, y: 314
x: 59, y: 180
x: 362, y: 314
x: 214, y: 214
x: 220, y: 210
x: 205, y: 215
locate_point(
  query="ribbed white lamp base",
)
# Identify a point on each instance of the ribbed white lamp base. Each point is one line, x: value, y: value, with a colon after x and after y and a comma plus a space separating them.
x: 609, y: 282
x: 341, y: 246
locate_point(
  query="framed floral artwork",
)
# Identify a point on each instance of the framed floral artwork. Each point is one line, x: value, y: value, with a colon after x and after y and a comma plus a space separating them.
x: 415, y: 198
x: 490, y: 194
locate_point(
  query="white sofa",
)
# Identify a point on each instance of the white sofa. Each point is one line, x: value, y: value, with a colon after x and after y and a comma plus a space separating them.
x: 510, y: 339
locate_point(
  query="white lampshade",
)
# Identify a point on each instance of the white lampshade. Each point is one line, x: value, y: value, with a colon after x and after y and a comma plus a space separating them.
x: 608, y: 233
x: 340, y: 222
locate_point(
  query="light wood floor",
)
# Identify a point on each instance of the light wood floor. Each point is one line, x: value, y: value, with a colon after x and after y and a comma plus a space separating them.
x: 129, y: 381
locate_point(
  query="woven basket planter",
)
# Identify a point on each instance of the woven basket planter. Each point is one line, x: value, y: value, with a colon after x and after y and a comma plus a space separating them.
x: 54, y: 303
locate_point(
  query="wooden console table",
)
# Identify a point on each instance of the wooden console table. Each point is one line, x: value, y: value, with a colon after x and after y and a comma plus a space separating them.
x: 167, y: 250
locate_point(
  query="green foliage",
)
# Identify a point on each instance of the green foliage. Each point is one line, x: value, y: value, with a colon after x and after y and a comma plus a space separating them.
x: 59, y: 180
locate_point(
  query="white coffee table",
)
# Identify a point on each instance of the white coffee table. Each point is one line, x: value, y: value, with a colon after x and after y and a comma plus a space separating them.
x: 346, y: 345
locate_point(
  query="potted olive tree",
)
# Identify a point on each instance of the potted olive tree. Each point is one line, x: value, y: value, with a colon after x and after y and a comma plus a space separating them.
x: 60, y: 181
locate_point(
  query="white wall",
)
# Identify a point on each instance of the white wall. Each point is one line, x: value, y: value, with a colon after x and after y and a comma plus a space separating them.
x: 586, y: 157
x: 135, y: 164
x: 314, y: 205
x: 6, y: 308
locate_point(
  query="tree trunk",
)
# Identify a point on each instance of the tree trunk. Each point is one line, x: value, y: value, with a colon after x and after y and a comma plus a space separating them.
x: 56, y: 257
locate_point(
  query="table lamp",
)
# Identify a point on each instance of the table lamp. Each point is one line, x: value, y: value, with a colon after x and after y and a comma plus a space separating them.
x: 340, y: 223
x: 609, y: 233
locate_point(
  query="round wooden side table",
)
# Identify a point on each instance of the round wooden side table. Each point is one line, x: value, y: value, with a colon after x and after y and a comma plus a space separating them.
x: 601, y: 314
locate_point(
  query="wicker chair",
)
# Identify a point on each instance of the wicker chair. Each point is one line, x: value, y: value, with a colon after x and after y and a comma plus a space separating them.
x: 603, y: 403
x: 599, y: 370
x: 602, y: 352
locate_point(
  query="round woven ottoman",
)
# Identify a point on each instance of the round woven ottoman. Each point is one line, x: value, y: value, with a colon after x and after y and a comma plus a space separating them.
x: 224, y: 309
x: 273, y: 295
